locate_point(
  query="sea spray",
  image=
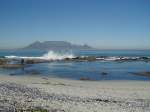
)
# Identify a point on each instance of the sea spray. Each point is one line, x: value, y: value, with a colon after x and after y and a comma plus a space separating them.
x: 51, y: 55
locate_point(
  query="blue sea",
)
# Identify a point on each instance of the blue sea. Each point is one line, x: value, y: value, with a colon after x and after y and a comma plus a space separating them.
x: 76, y: 69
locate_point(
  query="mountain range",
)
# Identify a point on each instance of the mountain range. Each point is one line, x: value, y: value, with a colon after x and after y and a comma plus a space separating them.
x: 56, y: 45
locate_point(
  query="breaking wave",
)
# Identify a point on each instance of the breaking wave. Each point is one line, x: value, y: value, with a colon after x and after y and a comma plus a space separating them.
x: 51, y: 55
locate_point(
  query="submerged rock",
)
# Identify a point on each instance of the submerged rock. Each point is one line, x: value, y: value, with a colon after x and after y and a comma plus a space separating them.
x: 11, y: 66
x: 87, y: 58
x: 34, y: 61
x: 147, y: 73
x: 2, y: 56
x: 144, y: 58
x: 84, y: 78
x: 104, y: 73
x: 33, y: 72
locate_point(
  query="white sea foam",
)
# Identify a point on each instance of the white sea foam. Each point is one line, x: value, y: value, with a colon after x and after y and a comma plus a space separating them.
x: 51, y: 55
x: 112, y: 58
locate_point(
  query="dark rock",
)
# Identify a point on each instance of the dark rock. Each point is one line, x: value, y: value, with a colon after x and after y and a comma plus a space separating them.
x: 76, y: 58
x: 12, y: 66
x: 2, y: 56
x: 67, y: 59
x: 11, y: 74
x: 91, y: 58
x: 104, y: 73
x: 147, y: 73
x: 88, y: 58
x: 84, y: 78
x: 34, y: 61
x: 3, y: 61
x: 144, y: 58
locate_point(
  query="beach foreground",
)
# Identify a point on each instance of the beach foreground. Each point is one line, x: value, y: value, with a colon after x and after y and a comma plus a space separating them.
x: 43, y: 94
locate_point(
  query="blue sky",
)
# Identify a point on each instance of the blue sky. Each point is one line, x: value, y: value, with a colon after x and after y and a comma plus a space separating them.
x: 105, y: 24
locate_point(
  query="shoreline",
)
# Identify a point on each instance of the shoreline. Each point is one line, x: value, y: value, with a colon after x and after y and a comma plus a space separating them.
x: 66, y: 95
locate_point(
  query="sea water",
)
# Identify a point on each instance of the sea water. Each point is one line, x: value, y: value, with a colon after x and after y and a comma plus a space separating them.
x: 93, y: 70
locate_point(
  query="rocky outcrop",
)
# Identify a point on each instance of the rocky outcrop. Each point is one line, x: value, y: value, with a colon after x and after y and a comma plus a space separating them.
x: 147, y: 73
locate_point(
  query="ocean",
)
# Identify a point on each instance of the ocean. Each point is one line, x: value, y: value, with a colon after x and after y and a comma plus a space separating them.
x: 104, y: 69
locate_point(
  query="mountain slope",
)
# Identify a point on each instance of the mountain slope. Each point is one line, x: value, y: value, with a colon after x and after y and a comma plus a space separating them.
x: 56, y: 45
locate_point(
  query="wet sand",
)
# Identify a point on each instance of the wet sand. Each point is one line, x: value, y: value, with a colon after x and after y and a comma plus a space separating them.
x: 65, y: 95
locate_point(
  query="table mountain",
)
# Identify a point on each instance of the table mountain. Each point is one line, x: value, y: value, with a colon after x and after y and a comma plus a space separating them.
x: 56, y: 45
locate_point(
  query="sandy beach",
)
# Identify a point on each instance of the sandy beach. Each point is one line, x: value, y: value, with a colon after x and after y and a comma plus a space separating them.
x: 65, y: 95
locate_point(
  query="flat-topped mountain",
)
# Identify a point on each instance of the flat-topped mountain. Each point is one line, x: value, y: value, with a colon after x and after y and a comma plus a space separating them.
x: 56, y: 45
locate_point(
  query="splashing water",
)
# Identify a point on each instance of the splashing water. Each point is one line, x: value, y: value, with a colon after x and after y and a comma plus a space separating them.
x: 51, y: 55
